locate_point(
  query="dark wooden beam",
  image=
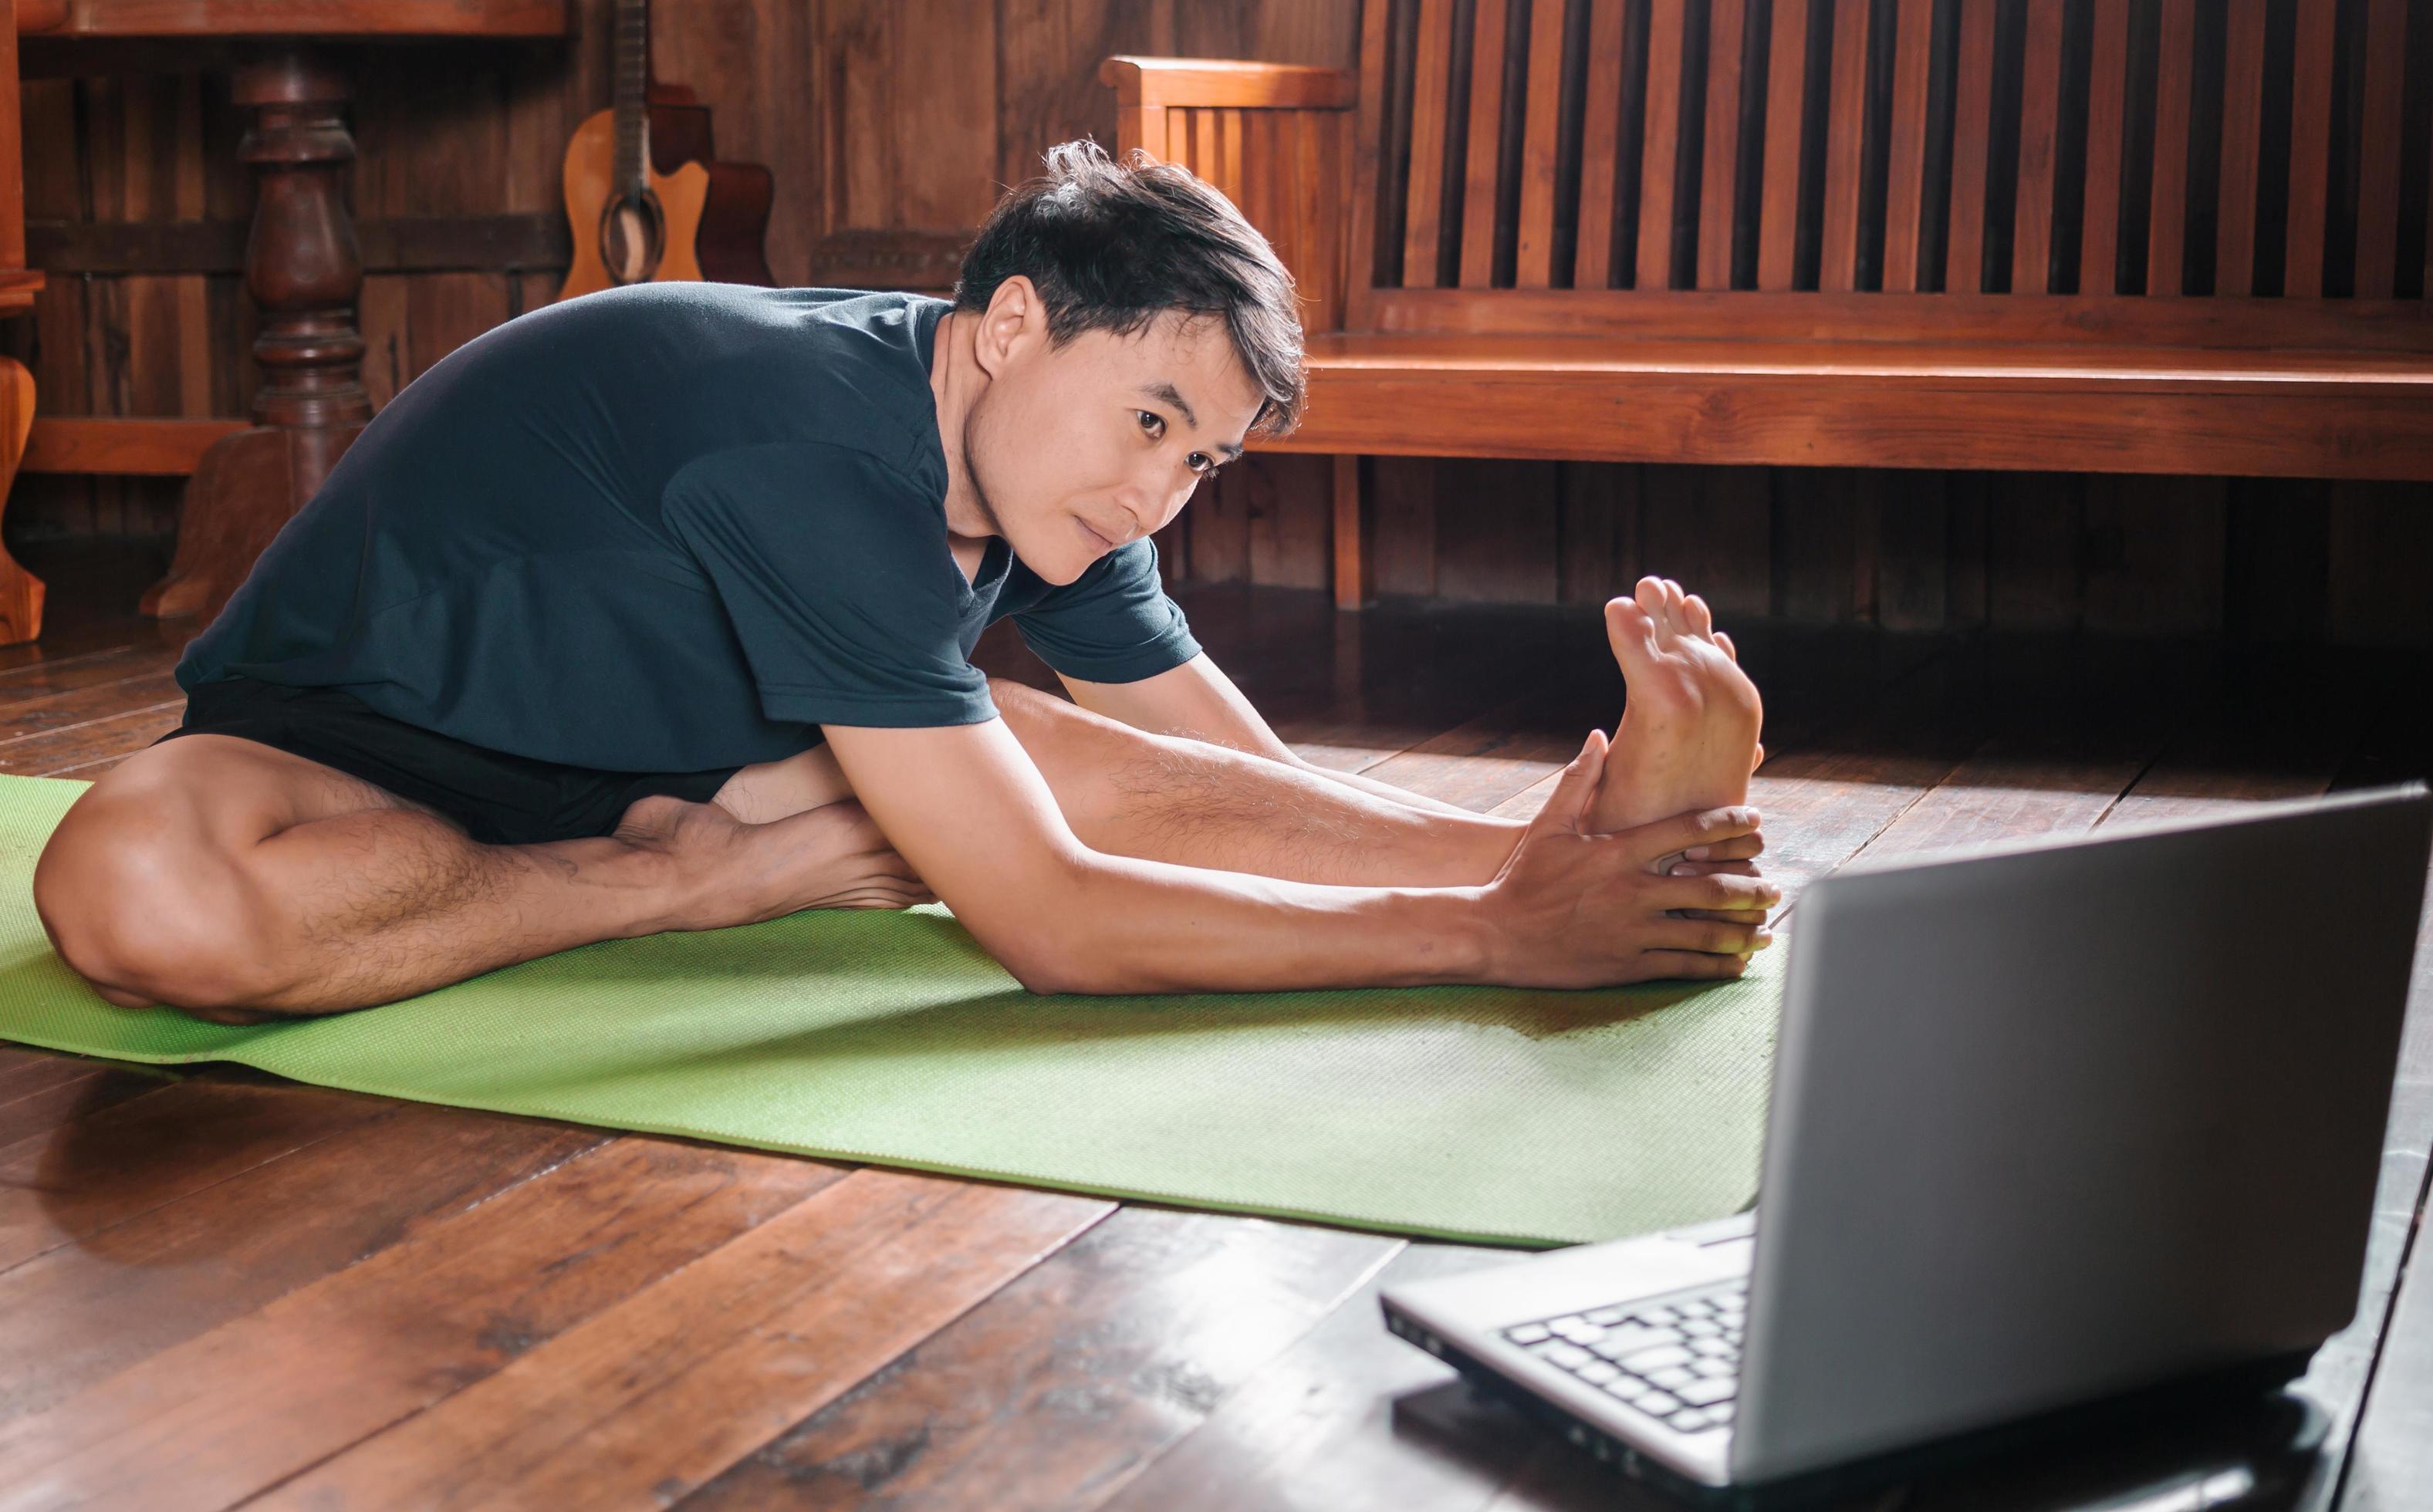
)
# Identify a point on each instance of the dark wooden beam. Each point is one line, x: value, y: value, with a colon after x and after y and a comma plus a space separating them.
x: 411, y: 243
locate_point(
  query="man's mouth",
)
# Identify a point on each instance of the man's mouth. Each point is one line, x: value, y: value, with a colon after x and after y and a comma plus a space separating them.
x: 1097, y: 540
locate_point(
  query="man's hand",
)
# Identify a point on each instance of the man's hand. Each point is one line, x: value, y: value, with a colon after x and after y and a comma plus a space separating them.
x: 1572, y: 909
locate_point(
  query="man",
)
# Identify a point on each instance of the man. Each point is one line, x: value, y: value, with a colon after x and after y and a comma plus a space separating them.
x: 652, y: 611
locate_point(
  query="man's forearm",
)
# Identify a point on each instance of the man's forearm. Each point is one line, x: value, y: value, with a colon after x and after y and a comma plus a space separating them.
x: 1407, y: 798
x: 1134, y: 925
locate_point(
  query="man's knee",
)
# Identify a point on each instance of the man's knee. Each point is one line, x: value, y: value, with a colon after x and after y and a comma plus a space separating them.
x: 142, y: 905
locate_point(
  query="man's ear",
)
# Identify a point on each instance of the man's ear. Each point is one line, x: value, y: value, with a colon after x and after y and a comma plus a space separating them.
x: 1015, y: 319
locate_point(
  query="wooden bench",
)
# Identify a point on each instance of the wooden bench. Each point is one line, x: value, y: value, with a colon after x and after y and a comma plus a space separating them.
x: 1989, y: 235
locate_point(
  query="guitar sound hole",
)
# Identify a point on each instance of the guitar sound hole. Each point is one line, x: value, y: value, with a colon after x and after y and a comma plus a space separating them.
x: 633, y: 235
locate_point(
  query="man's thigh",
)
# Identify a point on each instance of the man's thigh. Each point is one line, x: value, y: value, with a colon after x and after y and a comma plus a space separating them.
x: 229, y: 791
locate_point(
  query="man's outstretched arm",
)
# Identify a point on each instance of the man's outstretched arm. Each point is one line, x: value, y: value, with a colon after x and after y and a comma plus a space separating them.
x: 977, y: 821
x: 1196, y: 700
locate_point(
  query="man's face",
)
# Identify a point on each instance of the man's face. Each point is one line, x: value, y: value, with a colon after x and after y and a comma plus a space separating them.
x: 1104, y: 434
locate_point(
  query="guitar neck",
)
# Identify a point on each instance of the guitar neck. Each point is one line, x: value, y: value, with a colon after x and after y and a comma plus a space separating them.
x: 633, y: 94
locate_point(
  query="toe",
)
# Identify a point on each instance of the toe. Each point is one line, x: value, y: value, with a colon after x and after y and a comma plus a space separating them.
x: 1695, y: 615
x: 1630, y: 629
x: 1650, y: 595
x: 1725, y: 641
x: 1675, y: 619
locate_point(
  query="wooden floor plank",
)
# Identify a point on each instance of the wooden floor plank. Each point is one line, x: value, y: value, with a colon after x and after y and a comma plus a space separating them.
x: 133, y: 667
x: 243, y: 1406
x: 92, y: 740
x: 30, y: 1112
x: 117, y: 1295
x: 1057, y: 1388
x: 121, y: 1163
x: 665, y: 1390
x: 1319, y: 1427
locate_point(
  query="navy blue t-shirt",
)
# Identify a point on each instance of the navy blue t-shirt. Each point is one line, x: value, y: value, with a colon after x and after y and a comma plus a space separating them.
x: 667, y: 528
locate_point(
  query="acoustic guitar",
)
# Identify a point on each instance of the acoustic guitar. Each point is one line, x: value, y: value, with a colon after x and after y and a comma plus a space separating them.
x: 645, y: 200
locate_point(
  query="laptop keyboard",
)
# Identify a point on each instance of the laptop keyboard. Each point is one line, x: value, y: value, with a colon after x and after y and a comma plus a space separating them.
x: 1678, y: 1362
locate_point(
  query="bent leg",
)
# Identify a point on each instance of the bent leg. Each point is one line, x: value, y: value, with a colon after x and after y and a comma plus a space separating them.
x: 1167, y: 798
x: 235, y: 881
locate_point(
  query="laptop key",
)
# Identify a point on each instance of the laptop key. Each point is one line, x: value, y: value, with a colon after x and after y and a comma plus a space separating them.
x: 1659, y: 1316
x: 1711, y: 1368
x: 1700, y: 1328
x: 1570, y: 1357
x: 1672, y: 1379
x: 1657, y: 1359
x: 1598, y: 1373
x: 1526, y: 1335
x: 1623, y: 1341
x: 1689, y: 1421
x: 1607, y: 1316
x: 1658, y: 1404
x: 1706, y: 1393
x: 1710, y: 1349
x: 1695, y: 1307
x: 1720, y: 1412
x: 1628, y: 1387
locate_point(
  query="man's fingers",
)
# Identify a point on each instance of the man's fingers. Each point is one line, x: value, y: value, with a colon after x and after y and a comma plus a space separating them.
x: 1676, y: 835
x: 1685, y: 965
x: 1740, y: 893
x: 1708, y: 935
x: 1739, y: 848
x: 1713, y: 869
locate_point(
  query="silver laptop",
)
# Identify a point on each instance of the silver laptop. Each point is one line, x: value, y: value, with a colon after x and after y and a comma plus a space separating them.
x: 2051, y: 1126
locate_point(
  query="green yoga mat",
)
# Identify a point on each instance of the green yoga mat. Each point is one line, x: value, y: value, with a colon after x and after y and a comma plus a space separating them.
x: 1461, y: 1112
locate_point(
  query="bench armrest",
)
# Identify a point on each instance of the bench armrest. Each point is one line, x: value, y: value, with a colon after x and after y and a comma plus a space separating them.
x: 1216, y: 82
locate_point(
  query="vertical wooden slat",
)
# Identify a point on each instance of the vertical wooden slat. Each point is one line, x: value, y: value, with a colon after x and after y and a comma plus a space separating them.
x: 1845, y: 127
x: 2107, y: 114
x: 2039, y: 129
x: 1972, y: 87
x: 1662, y: 144
x: 2310, y: 149
x: 1905, y: 154
x: 1431, y: 94
x: 2379, y: 151
x: 1539, y: 139
x: 1486, y: 143
x: 1786, y: 74
x: 1600, y: 145
x: 1725, y: 21
x: 2175, y: 61
x: 1368, y: 145
x: 1142, y: 127
x: 2243, y: 133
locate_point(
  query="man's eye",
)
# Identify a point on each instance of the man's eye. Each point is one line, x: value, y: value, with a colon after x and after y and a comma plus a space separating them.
x: 1202, y: 464
x: 1150, y: 422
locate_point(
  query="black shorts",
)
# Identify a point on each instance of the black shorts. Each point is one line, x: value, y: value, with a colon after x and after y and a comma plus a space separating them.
x: 498, y: 799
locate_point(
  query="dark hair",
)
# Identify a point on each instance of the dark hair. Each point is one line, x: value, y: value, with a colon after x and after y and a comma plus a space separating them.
x: 1114, y: 246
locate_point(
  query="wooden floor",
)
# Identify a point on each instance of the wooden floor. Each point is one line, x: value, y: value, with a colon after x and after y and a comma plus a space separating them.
x: 218, y: 1288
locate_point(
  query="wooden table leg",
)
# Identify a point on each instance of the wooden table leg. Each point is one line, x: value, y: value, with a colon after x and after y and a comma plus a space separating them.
x: 305, y: 274
x: 21, y: 592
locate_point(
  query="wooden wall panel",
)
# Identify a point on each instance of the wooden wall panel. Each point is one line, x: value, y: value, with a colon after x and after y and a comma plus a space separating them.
x: 891, y: 129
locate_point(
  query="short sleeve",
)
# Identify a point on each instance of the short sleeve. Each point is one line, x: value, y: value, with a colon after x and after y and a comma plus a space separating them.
x: 1112, y: 624
x: 834, y: 571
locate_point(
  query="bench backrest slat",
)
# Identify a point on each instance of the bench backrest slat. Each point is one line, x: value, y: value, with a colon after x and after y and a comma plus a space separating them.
x: 1727, y: 42
x: 1602, y: 148
x: 1905, y: 158
x: 1660, y: 142
x: 1541, y: 147
x: 1786, y: 110
x: 1481, y: 207
x: 2242, y: 141
x: 2167, y: 223
x: 2107, y: 113
x: 1844, y: 147
x: 2039, y: 147
x: 2377, y: 222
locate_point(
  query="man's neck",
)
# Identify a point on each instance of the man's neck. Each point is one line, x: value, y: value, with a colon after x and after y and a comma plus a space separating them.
x: 956, y: 380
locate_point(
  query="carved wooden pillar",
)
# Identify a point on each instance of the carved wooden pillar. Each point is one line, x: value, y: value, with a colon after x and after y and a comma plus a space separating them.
x: 305, y: 274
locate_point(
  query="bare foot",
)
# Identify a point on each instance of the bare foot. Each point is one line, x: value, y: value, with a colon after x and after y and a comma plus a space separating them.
x: 726, y: 872
x: 1688, y: 738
